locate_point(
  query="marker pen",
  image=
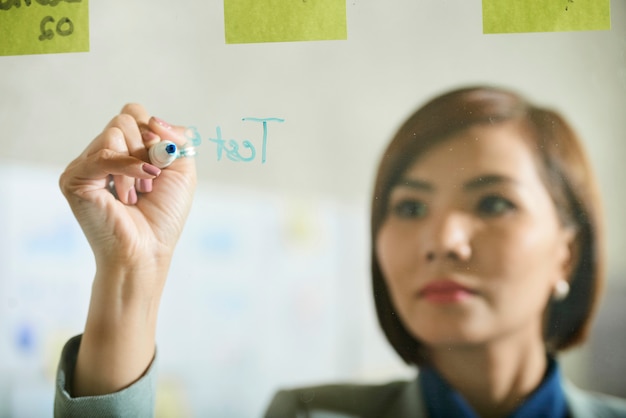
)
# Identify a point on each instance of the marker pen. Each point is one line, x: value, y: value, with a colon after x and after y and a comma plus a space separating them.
x: 163, y: 153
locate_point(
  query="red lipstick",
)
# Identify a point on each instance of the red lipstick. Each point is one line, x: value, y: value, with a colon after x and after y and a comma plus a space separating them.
x: 445, y: 291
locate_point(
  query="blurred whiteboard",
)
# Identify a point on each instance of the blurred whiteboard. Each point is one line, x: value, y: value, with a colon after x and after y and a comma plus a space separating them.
x: 264, y: 292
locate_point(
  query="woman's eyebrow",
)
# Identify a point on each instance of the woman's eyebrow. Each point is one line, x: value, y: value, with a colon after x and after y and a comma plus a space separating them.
x: 471, y: 185
x: 416, y: 184
x: 488, y: 180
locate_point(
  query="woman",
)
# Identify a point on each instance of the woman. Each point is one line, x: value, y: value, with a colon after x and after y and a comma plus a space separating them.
x: 486, y: 261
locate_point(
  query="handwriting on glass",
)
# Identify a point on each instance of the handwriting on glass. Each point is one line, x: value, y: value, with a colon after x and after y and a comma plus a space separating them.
x: 234, y: 151
x: 64, y: 26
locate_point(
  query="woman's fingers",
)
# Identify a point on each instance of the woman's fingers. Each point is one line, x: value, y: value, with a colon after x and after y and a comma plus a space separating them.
x: 149, y: 137
x: 142, y: 118
x: 143, y: 185
x: 166, y: 131
x: 125, y: 134
x: 137, y: 111
x: 117, y: 157
x: 123, y: 138
x: 131, y: 134
x: 92, y: 171
x: 177, y: 135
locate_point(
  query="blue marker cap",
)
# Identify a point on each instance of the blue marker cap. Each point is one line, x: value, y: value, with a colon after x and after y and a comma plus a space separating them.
x: 163, y: 153
x: 171, y: 149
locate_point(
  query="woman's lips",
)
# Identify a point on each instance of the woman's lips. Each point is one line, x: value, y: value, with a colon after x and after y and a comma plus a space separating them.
x: 445, y: 291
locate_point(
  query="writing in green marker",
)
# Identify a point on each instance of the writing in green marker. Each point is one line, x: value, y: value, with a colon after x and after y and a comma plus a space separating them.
x: 43, y: 26
x: 231, y: 148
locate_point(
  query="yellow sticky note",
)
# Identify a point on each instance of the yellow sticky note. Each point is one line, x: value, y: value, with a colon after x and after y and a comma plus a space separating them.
x: 511, y: 16
x: 248, y: 21
x: 43, y: 26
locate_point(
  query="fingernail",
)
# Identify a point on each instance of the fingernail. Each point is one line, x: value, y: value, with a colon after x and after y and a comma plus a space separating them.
x: 132, y: 196
x: 150, y: 169
x: 145, y: 185
x: 149, y: 136
x: 162, y: 122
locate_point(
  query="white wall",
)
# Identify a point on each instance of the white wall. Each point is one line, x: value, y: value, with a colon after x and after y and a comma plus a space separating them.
x: 341, y: 101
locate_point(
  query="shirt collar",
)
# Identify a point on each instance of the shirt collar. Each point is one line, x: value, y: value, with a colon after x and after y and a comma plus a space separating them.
x: 548, y: 400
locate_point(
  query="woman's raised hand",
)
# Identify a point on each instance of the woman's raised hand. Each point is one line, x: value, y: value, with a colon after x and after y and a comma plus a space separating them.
x: 142, y: 220
x: 132, y: 214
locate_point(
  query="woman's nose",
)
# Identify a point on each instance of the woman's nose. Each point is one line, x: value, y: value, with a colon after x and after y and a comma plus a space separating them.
x: 450, y: 238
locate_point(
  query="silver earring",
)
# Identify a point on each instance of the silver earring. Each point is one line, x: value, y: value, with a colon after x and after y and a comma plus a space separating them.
x: 561, y: 290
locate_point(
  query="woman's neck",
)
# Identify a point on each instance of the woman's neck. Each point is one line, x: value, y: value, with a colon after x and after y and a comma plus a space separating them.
x: 494, y: 378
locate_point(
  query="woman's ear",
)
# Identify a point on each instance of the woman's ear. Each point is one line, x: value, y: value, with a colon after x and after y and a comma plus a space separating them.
x: 569, y: 252
x: 567, y: 256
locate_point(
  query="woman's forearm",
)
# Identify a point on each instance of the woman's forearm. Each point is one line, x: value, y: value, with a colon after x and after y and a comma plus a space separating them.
x: 119, y: 339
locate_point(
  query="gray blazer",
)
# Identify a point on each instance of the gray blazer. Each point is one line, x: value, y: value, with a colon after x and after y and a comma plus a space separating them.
x: 404, y: 399
x: 391, y: 400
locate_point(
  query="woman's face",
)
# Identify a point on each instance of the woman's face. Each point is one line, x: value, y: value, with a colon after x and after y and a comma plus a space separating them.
x: 471, y: 247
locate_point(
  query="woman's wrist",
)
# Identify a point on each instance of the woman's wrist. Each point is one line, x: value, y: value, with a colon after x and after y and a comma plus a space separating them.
x: 119, y: 339
x: 129, y: 288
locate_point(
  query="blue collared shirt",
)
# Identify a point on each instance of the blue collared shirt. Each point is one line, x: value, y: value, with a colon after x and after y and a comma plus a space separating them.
x: 442, y: 401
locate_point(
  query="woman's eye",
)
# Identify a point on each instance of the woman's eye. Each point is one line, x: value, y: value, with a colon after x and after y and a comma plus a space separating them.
x: 409, y: 209
x: 494, y: 205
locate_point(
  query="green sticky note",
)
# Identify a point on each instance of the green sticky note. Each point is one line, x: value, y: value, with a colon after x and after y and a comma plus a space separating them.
x: 248, y: 21
x: 43, y: 26
x: 512, y: 16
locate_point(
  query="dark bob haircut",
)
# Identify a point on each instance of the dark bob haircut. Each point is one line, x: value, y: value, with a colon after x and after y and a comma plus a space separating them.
x: 564, y: 169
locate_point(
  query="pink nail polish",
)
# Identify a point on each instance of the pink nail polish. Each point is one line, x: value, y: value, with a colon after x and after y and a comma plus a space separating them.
x: 132, y: 196
x: 145, y: 185
x: 162, y: 122
x: 150, y: 169
x: 149, y: 136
